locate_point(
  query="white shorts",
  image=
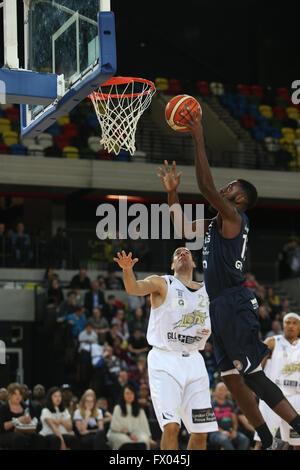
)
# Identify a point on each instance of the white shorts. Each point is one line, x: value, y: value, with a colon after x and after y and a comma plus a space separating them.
x: 274, y: 421
x: 179, y: 387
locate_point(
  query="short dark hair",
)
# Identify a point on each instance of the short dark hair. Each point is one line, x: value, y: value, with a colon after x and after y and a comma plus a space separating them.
x: 250, y: 192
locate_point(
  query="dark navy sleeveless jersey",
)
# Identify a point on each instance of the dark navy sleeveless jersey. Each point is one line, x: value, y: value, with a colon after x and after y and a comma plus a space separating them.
x: 223, y: 258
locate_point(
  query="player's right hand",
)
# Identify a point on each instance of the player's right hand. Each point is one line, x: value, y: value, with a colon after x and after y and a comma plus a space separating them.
x: 124, y: 261
x: 168, y: 177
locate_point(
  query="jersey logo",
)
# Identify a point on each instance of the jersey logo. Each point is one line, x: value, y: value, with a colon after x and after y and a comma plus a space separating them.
x: 248, y: 364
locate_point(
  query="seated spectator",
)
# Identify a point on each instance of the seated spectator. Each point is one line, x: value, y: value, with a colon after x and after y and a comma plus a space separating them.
x: 120, y: 351
x: 94, y: 298
x: 88, y: 420
x: 120, y: 320
x: 273, y: 301
x: 291, y: 255
x: 141, y: 250
x: 137, y: 344
x: 100, y: 324
x: 81, y: 280
x: 3, y: 395
x: 112, y: 333
x: 228, y: 435
x: 55, y: 294
x: 112, y: 364
x: 276, y: 329
x: 245, y: 427
x: 110, y: 309
x: 57, y: 423
x: 107, y: 416
x: 138, y: 321
x: 210, y: 362
x: 139, y: 372
x: 12, y: 414
x: 59, y: 248
x: 86, y: 338
x: 264, y: 320
x: 129, y: 423
x: 135, y: 301
x: 102, y: 283
x: 283, y: 309
x: 35, y: 408
x: 39, y: 395
x: 145, y: 401
x: 76, y: 319
x: 113, y: 282
x: 69, y: 305
x: 68, y: 399
x: 21, y: 245
x: 48, y: 277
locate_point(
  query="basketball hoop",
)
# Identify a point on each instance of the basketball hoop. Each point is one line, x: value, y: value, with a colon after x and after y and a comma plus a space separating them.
x: 119, y: 103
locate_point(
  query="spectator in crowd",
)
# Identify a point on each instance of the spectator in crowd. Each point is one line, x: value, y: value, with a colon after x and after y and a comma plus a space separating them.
x: 210, y: 362
x: 113, y: 282
x: 112, y: 333
x: 107, y: 416
x: 112, y: 365
x: 69, y: 400
x: 110, y: 310
x: 81, y: 280
x: 94, y: 298
x: 99, y: 323
x: 141, y: 250
x: 123, y: 330
x: 48, y: 277
x: 69, y: 305
x: 86, y: 338
x: 145, y: 400
x: 273, y: 301
x: 5, y: 246
x: 39, y: 394
x: 12, y: 415
x: 57, y: 423
x: 88, y: 419
x: 76, y: 319
x: 283, y: 309
x: 276, y: 329
x: 137, y: 344
x: 138, y: 321
x: 55, y: 293
x: 264, y: 320
x: 102, y: 282
x: 228, y: 435
x: 120, y: 351
x: 42, y: 248
x: 3, y: 395
x: 139, y: 372
x: 21, y: 245
x: 129, y: 423
x: 290, y: 258
x: 35, y: 408
x: 135, y: 301
x: 59, y: 248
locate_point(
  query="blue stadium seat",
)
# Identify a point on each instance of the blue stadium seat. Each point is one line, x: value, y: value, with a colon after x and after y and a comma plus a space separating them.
x: 17, y: 149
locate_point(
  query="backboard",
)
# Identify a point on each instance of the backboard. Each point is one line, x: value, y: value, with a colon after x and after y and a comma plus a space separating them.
x: 69, y: 48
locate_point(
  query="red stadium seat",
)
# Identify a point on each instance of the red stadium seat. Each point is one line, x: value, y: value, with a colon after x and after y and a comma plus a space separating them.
x: 248, y: 121
x: 175, y: 87
x: 70, y: 130
x: 243, y: 90
x: 3, y: 148
x: 61, y: 141
x: 104, y: 155
x: 279, y: 111
x: 203, y: 87
x: 13, y: 114
x: 257, y: 90
x: 283, y: 92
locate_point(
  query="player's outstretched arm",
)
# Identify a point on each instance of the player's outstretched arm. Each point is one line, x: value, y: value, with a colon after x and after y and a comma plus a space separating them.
x: 183, y: 227
x: 203, y: 173
x: 150, y: 285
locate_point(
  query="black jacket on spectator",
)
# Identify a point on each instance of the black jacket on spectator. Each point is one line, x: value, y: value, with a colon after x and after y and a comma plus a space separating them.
x: 109, y: 312
x: 89, y: 301
x: 77, y: 283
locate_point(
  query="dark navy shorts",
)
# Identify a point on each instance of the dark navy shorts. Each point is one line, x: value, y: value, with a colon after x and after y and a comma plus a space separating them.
x: 235, y: 330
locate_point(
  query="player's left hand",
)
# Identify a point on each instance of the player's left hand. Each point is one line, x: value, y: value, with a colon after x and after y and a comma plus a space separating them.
x: 124, y: 261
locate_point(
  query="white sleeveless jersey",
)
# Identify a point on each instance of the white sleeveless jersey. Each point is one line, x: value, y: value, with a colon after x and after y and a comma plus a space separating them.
x: 182, y: 322
x: 284, y: 365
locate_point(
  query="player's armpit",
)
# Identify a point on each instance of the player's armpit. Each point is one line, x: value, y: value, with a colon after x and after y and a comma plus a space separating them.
x: 150, y: 285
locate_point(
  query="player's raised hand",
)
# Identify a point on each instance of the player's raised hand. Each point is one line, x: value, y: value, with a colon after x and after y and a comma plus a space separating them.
x: 168, y: 177
x: 124, y: 261
x: 193, y: 122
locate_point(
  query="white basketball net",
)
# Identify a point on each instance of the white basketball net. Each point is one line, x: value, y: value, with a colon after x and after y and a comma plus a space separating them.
x: 118, y: 108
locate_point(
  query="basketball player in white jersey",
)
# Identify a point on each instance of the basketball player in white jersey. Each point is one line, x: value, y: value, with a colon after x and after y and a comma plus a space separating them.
x: 282, y: 366
x: 179, y: 326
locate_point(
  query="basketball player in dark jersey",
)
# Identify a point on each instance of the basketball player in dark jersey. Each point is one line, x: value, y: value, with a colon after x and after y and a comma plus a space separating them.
x: 233, y: 308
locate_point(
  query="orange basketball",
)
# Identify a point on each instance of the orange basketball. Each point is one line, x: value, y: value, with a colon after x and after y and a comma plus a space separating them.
x: 178, y: 104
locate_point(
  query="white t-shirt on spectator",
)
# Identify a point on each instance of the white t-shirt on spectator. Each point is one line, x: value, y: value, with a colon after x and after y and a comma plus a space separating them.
x: 92, y: 422
x: 46, y: 413
x: 85, y: 340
